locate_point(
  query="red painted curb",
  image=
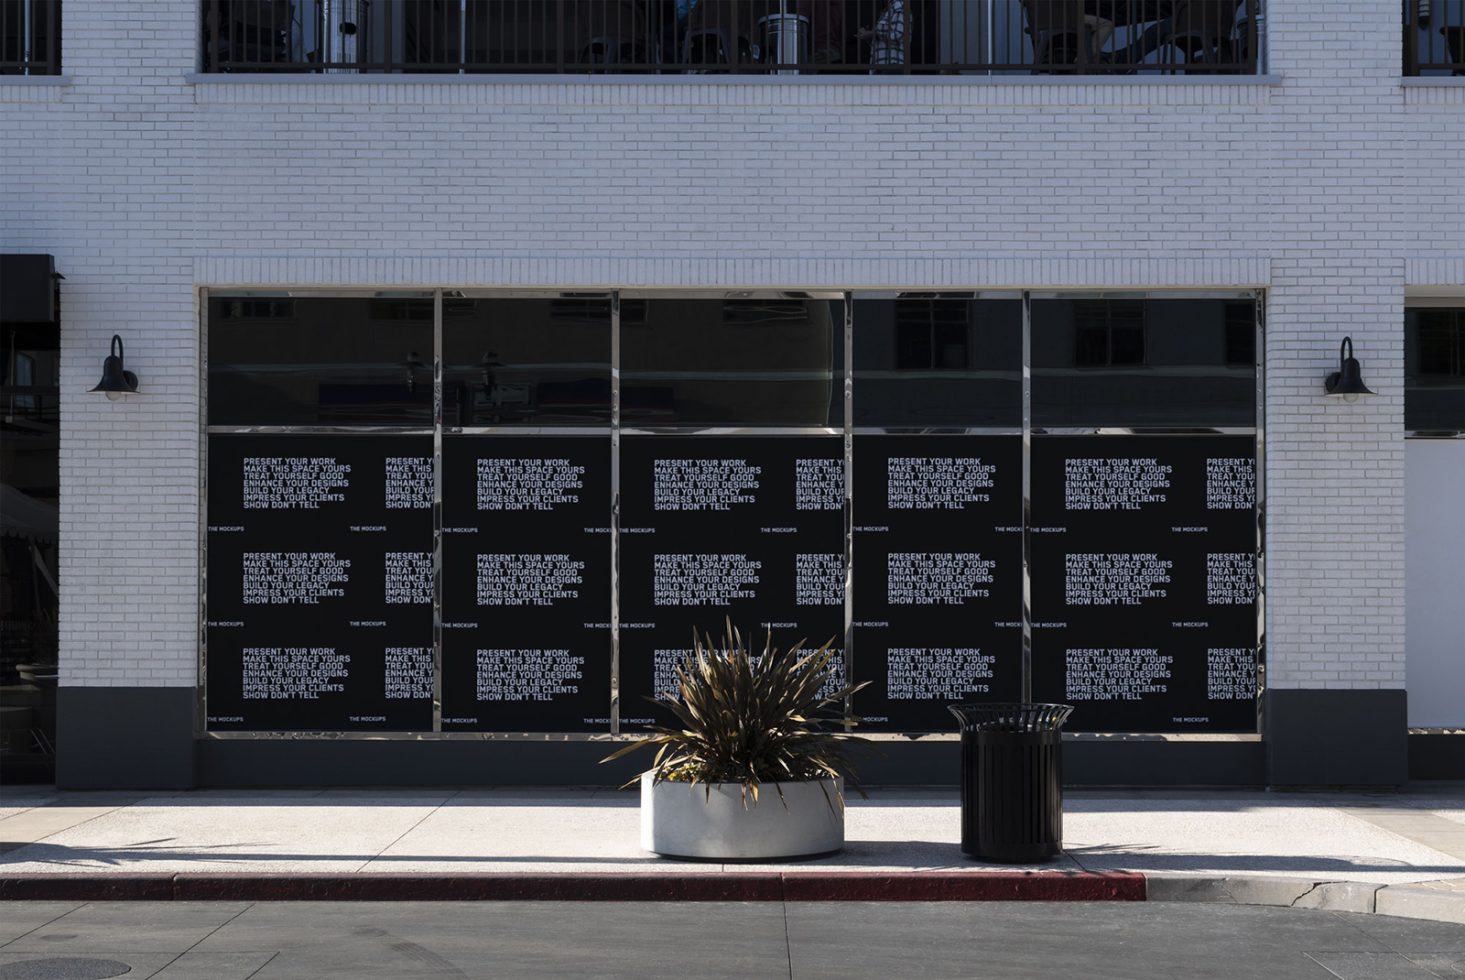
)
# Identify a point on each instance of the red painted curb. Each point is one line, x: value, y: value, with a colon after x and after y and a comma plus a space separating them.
x: 793, y: 886
x: 965, y: 886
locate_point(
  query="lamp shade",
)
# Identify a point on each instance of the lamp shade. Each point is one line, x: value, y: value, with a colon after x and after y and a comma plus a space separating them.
x: 1347, y: 381
x: 116, y: 381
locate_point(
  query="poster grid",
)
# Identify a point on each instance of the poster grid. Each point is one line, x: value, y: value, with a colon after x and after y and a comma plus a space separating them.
x: 614, y: 433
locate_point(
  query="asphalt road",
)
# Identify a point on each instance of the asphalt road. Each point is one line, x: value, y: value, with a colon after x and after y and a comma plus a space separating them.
x: 849, y: 940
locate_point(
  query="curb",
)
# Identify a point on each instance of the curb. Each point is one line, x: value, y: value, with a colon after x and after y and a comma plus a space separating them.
x: 1438, y: 902
x: 909, y: 886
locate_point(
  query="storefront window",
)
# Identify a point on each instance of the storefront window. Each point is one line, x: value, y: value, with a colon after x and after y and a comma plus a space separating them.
x: 530, y: 560
x: 927, y: 360
x: 745, y: 359
x: 1117, y: 361
x: 527, y: 361
x: 283, y: 360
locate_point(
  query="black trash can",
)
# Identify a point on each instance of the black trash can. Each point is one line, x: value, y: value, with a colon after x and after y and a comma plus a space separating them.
x: 1012, y: 780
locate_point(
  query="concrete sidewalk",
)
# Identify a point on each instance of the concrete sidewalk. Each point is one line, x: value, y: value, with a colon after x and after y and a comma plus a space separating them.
x: 1397, y: 853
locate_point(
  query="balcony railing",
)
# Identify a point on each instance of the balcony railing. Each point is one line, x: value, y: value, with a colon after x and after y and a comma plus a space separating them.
x: 1434, y: 37
x: 30, y: 37
x: 732, y: 36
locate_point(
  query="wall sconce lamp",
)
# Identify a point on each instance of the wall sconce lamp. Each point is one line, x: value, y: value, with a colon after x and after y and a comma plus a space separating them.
x: 1346, y: 382
x: 115, y: 381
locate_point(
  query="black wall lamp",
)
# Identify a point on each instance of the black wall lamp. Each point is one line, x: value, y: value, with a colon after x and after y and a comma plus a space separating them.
x: 1346, y: 382
x: 116, y: 382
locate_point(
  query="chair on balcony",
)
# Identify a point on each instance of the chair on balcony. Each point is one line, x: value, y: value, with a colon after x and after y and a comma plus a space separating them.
x: 714, y: 36
x: 1202, y: 31
x: 614, y: 33
x: 715, y: 46
x: 1063, y: 34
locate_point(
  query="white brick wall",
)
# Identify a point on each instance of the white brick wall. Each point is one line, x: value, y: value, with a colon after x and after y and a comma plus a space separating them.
x: 1332, y: 184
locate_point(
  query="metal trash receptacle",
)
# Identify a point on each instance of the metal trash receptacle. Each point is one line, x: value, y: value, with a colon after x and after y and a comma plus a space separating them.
x: 1012, y: 780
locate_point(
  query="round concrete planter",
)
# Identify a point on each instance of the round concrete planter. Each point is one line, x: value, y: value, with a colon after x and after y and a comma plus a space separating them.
x: 681, y: 820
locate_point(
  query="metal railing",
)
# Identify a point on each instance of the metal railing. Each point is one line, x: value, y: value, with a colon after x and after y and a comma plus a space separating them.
x: 30, y: 37
x: 1434, y: 37
x: 732, y: 36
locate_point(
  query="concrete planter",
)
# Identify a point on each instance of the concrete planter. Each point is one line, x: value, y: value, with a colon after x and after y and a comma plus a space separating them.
x: 681, y: 820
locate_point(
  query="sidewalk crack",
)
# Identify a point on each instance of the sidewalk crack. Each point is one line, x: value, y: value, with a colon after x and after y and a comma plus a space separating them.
x: 393, y: 842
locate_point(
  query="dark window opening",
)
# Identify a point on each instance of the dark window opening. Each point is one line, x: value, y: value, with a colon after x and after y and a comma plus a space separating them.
x: 1434, y: 370
x: 30, y: 37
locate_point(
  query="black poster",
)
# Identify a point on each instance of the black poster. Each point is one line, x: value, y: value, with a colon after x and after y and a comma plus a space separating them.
x: 319, y: 583
x: 938, y: 576
x: 526, y: 583
x: 1144, y: 581
x: 717, y: 526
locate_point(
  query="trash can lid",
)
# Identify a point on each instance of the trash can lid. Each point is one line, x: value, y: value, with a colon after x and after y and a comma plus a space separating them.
x: 987, y: 716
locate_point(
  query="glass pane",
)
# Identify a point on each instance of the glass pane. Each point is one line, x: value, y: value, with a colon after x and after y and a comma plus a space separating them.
x: 320, y: 361
x: 320, y: 582
x: 1434, y: 370
x: 1140, y: 362
x: 1143, y: 586
x: 938, y: 359
x: 526, y: 583
x: 713, y: 527
x: 29, y: 558
x: 938, y: 616
x: 740, y: 360
x: 531, y: 361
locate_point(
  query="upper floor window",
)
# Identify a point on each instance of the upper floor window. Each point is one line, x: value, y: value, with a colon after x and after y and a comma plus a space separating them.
x: 1434, y: 37
x: 732, y: 36
x: 30, y: 37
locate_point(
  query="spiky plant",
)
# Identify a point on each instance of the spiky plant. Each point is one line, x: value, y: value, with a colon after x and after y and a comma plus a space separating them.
x: 752, y: 719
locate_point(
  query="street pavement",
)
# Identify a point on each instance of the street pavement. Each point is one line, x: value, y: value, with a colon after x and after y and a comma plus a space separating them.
x: 849, y: 940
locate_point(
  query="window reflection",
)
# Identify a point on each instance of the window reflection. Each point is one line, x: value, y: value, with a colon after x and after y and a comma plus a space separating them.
x: 527, y: 361
x: 745, y: 359
x: 938, y: 359
x: 1135, y: 361
x: 320, y: 361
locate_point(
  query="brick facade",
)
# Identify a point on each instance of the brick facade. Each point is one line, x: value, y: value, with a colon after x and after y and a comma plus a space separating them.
x: 1330, y: 182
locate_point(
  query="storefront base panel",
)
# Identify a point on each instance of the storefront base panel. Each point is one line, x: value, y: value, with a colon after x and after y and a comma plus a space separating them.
x: 125, y: 738
x: 1437, y: 755
x: 352, y: 762
x: 1336, y: 738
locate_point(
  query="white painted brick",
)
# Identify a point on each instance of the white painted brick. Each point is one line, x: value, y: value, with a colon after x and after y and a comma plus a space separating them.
x: 1336, y: 187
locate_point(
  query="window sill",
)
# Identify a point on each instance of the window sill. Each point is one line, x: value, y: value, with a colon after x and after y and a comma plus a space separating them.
x: 33, y: 88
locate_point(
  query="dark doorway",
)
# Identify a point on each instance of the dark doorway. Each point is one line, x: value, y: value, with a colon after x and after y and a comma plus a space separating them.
x: 29, y: 477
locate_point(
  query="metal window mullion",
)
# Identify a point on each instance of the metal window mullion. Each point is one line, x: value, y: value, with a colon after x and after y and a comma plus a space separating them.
x: 849, y: 502
x: 437, y: 510
x: 615, y: 512
x: 1027, y: 497
x: 201, y: 695
x: 1259, y: 506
